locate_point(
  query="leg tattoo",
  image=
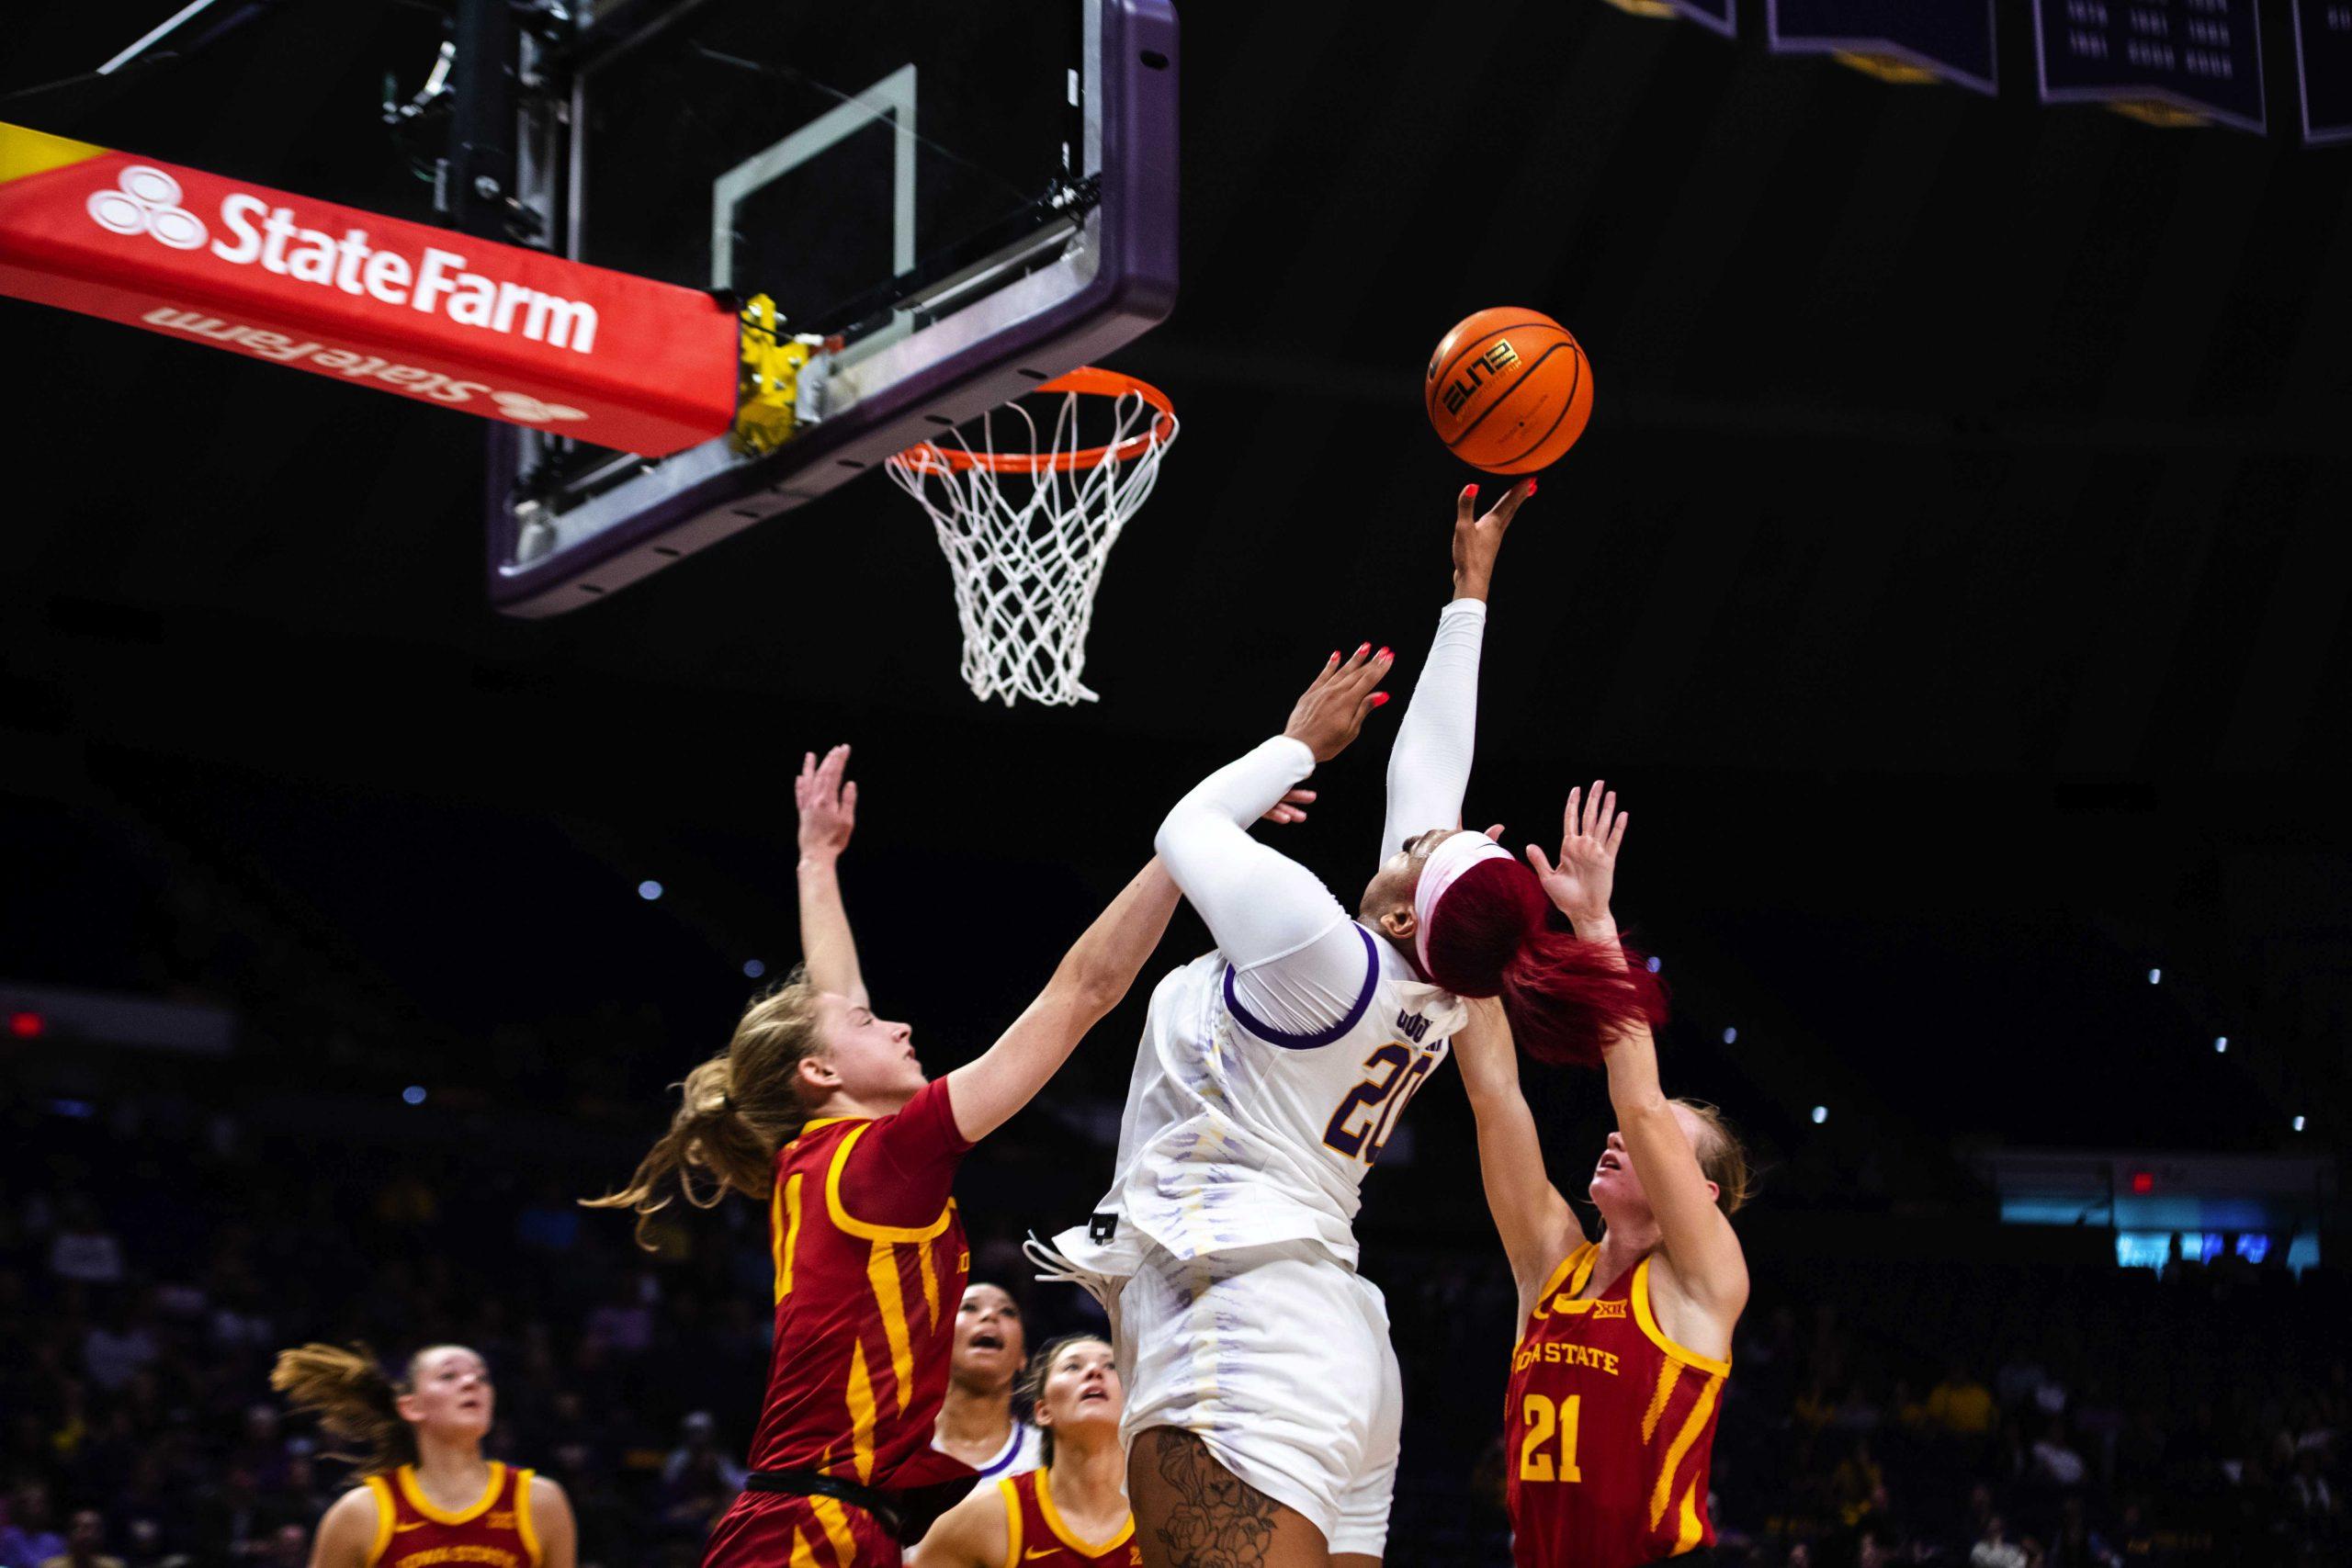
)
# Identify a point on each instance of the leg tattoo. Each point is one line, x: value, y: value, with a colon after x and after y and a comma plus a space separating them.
x: 1213, y: 1521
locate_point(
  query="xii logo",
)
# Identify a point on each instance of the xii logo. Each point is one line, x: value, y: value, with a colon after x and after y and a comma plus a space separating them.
x: 1460, y: 390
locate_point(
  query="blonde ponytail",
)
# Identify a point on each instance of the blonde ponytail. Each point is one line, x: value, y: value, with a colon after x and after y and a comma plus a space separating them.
x: 734, y: 1112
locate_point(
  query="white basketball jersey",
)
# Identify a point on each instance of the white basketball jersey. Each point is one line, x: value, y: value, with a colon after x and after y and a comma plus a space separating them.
x: 1231, y: 1140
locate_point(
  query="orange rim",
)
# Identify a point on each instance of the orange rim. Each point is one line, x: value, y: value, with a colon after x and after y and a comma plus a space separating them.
x: 927, y: 456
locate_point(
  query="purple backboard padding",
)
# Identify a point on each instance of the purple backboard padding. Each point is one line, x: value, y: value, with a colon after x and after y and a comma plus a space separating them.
x: 1132, y: 289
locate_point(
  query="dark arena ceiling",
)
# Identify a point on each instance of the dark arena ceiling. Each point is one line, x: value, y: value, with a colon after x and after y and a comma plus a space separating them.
x: 1953, y: 576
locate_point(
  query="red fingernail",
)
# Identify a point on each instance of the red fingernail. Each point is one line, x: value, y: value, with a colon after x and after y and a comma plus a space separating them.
x: 1335, y: 658
x: 1364, y: 649
x: 1473, y: 491
x: 1383, y: 653
x: 1531, y: 487
x: 1378, y: 698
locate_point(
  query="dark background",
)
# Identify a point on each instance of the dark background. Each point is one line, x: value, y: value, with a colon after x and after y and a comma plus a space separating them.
x: 1953, y: 578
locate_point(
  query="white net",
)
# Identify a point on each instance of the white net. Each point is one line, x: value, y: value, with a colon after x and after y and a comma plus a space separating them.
x: 1026, y: 524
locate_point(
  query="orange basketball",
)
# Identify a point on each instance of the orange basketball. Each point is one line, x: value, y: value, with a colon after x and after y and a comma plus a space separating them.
x: 1509, y: 390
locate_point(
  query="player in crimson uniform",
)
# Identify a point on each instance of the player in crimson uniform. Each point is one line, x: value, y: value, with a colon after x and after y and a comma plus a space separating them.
x: 1625, y: 1342
x: 821, y: 1110
x: 1073, y: 1512
x: 427, y: 1494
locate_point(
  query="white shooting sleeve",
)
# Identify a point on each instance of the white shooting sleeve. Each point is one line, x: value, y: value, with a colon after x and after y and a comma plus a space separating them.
x: 1298, y: 960
x: 1428, y: 768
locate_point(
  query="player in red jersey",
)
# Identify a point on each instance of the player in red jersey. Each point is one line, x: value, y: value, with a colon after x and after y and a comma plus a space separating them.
x: 1073, y: 1512
x: 822, y: 1110
x: 1625, y: 1342
x: 427, y: 1494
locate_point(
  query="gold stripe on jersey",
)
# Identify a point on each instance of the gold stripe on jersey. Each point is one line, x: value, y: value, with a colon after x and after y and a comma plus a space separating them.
x: 785, y: 1227
x: 405, y: 1479
x: 861, y: 1413
x: 1069, y: 1536
x: 1640, y: 1294
x: 1688, y: 1532
x: 860, y: 1228
x: 802, y: 1556
x: 836, y: 1523
x: 929, y: 1283
x: 1669, y: 1374
x: 1692, y: 1425
x: 882, y: 1268
x: 385, y: 1509
x: 524, y: 1525
x: 1012, y: 1522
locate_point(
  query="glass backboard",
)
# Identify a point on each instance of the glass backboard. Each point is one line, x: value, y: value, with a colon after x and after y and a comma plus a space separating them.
x: 949, y: 203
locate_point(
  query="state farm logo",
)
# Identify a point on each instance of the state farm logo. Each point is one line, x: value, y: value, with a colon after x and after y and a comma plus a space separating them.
x: 439, y: 282
x: 528, y: 410
x: 358, y: 365
x: 147, y: 201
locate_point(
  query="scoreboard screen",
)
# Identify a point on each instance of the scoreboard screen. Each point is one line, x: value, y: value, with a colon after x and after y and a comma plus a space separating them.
x: 2194, y: 58
x: 1952, y: 39
x: 2323, y: 66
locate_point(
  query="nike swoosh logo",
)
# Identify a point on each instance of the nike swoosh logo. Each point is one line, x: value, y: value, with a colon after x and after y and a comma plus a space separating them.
x: 417, y: 1526
x: 1039, y: 1552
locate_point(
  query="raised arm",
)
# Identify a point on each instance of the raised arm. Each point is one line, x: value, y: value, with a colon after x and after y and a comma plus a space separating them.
x: 1428, y: 767
x: 1093, y: 977
x: 828, y: 806
x: 1697, y: 1242
x: 1537, y: 1225
x: 1300, y: 965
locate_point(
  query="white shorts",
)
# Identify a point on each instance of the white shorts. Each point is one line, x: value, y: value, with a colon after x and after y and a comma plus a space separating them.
x: 1278, y: 1358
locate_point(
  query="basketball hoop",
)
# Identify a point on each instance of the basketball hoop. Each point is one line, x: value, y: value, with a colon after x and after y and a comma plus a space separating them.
x: 1027, y: 524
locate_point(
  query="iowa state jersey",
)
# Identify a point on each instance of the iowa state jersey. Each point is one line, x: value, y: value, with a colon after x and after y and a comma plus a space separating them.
x: 495, y: 1532
x: 1609, y: 1428
x: 1237, y: 1136
x: 1038, y: 1538
x: 870, y: 1266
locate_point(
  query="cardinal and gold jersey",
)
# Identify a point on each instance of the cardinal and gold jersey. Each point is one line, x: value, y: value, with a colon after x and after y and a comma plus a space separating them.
x: 1037, y: 1537
x: 495, y: 1532
x: 870, y: 1267
x: 1609, y: 1428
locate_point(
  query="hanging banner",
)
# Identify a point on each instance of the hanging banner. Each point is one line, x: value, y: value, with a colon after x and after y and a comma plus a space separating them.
x: 2323, y: 68
x: 444, y: 317
x: 1896, y: 40
x: 2165, y: 62
x: 1713, y: 14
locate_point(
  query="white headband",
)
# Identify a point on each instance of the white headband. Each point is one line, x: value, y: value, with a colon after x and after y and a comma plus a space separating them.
x: 1439, y: 872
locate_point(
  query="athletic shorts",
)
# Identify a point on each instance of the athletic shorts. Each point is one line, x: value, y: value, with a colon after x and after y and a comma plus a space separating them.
x: 785, y: 1529
x: 1278, y: 1359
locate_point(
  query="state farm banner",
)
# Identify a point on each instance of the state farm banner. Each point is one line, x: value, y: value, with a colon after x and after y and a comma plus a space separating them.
x: 464, y: 323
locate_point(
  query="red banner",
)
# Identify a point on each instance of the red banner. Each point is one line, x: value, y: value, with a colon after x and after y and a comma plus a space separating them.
x: 488, y: 329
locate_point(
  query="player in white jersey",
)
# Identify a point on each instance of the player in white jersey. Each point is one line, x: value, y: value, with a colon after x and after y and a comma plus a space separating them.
x: 1262, y: 1395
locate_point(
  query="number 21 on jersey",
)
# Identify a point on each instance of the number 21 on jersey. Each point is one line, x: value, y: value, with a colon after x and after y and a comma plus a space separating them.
x: 1542, y: 1418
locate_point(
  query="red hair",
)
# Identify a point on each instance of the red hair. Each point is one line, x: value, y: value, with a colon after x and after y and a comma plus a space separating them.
x: 1492, y: 934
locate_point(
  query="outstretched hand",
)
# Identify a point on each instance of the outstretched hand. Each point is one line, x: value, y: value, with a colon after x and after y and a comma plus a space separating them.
x: 827, y: 804
x: 1290, y: 807
x: 1332, y: 710
x: 1579, y: 886
x: 1478, y: 540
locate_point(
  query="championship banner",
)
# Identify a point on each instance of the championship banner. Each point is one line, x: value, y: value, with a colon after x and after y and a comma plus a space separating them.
x: 1898, y: 40
x: 1716, y: 14
x: 2166, y: 61
x: 2323, y: 68
x: 462, y: 323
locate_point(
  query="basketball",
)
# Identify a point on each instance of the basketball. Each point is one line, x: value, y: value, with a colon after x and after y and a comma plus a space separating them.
x: 1509, y: 390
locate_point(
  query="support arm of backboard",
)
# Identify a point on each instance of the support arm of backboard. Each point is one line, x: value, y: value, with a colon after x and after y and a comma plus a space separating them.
x: 466, y: 323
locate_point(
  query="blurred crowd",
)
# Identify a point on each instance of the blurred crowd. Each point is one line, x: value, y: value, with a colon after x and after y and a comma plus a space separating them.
x: 154, y: 1256
x: 167, y: 1223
